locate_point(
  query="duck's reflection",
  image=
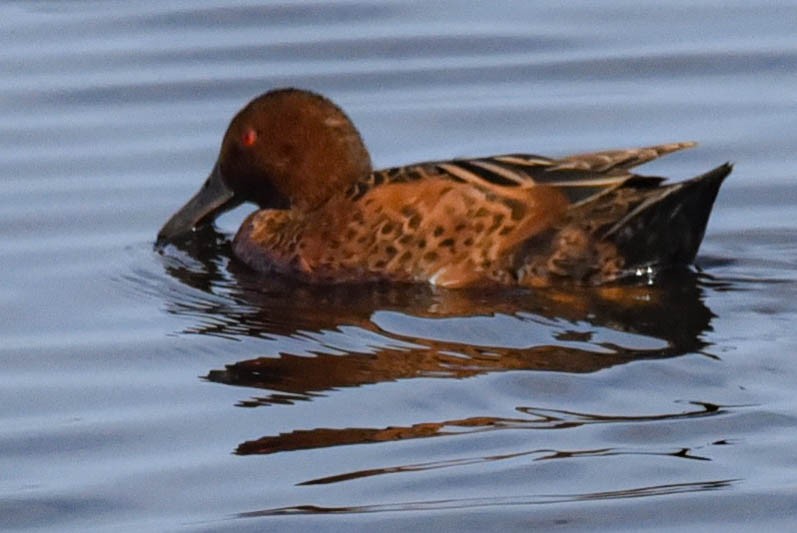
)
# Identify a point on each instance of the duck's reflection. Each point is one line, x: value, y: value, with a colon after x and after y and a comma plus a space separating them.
x: 405, y: 332
x: 534, y: 418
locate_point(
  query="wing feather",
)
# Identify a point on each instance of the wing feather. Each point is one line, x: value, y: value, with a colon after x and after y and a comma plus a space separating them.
x: 580, y: 176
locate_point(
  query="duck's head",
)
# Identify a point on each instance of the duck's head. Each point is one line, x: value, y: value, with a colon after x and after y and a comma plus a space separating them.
x: 288, y: 148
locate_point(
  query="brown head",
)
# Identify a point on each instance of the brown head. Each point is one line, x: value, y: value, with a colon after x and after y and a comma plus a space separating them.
x: 288, y: 148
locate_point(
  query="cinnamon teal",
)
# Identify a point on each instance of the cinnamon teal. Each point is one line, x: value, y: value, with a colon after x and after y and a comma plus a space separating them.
x: 326, y: 216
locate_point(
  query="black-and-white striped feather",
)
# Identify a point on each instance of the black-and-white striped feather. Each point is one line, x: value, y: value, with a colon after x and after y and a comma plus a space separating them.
x: 580, y: 176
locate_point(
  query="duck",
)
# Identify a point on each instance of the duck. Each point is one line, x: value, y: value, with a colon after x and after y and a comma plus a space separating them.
x: 325, y: 216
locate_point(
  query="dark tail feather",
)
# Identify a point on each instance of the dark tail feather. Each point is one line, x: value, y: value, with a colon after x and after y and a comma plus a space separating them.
x: 667, y: 228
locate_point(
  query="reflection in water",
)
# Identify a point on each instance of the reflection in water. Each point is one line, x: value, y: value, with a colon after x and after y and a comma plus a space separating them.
x: 537, y: 455
x: 537, y: 418
x: 405, y: 332
x: 470, y: 503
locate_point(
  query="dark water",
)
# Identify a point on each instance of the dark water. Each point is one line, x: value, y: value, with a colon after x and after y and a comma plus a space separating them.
x: 144, y: 391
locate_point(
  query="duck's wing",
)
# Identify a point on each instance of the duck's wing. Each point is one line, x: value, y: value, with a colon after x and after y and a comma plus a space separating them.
x: 618, y: 160
x: 579, y: 176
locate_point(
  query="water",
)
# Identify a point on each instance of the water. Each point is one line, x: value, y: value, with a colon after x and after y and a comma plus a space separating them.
x: 177, y: 391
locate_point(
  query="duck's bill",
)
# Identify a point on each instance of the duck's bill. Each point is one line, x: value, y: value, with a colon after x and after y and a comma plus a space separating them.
x: 212, y: 199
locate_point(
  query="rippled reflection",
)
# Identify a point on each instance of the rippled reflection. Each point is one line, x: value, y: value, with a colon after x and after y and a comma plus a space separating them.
x: 381, y: 333
x: 536, y: 418
x: 469, y: 503
x: 227, y: 299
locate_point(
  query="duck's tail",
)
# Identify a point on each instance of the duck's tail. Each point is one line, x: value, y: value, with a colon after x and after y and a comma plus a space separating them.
x: 666, y: 229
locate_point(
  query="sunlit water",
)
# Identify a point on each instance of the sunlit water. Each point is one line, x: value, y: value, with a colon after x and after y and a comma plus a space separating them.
x: 176, y: 390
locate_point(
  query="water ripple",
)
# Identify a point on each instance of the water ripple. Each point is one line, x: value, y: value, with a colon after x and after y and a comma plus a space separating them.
x: 470, y: 503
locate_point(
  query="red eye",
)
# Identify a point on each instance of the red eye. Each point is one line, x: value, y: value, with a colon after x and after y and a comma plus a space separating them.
x: 248, y: 137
